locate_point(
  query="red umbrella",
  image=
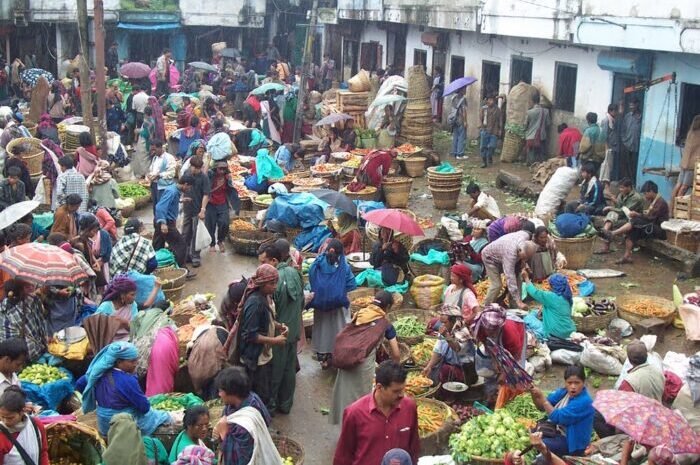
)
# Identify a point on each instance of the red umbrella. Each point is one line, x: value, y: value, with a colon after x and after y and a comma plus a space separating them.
x: 647, y: 421
x: 42, y: 264
x: 396, y: 220
x: 134, y: 70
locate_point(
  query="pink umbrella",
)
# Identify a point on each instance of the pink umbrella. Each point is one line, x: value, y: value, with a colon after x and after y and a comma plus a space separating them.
x: 174, y: 77
x: 647, y: 421
x: 134, y: 70
x: 394, y: 219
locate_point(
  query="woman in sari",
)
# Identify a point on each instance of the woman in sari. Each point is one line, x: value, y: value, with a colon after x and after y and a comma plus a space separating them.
x: 153, y: 333
x: 86, y: 156
x: 96, y: 247
x: 140, y: 161
x: 119, y: 302
x: 196, y: 430
x: 110, y: 387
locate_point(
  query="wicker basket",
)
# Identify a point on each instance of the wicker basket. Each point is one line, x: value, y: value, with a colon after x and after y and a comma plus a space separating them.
x: 429, y: 392
x: 171, y: 278
x: 576, y: 250
x: 423, y: 315
x: 512, y: 146
x: 432, y: 443
x: 445, y: 199
x: 248, y: 242
x: 34, y: 153
x: 592, y: 323
x: 287, y: 447
x: 368, y: 193
x: 61, y: 433
x: 246, y: 204
x: 143, y: 201
x: 174, y: 294
x: 309, y: 184
x: 418, y: 268
x: 404, y: 352
x: 257, y: 206
x: 667, y: 308
x: 415, y: 166
x: 485, y: 461
x: 397, y: 192
x: 427, y: 290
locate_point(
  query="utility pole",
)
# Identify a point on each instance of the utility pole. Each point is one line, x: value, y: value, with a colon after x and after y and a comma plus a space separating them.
x: 85, y: 87
x: 100, y: 83
x: 306, y: 70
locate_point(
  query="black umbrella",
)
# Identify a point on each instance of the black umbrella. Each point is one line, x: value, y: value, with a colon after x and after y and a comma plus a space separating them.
x: 336, y: 200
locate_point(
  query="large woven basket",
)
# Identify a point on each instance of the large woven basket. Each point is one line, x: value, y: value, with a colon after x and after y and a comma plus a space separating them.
x: 33, y: 154
x: 397, y: 191
x: 433, y: 443
x: 62, y: 437
x: 404, y: 352
x: 368, y: 193
x: 415, y: 166
x: 288, y: 447
x: 667, y: 309
x: 418, y: 268
x: 512, y: 146
x: 423, y: 315
x: 576, y: 250
x: 174, y: 294
x: 429, y: 392
x: 427, y: 290
x: 171, y: 278
x: 592, y: 323
x: 357, y: 294
x: 445, y: 199
x: 248, y: 242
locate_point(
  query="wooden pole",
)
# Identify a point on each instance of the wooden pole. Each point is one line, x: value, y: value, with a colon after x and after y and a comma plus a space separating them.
x: 306, y: 70
x: 85, y: 87
x: 100, y: 79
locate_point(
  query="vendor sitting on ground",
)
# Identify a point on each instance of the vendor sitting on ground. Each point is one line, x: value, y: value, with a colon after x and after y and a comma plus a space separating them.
x: 469, y: 251
x: 346, y: 231
x: 390, y: 257
x: 592, y: 199
x: 642, y: 225
x: 453, y: 350
x: 461, y: 292
x: 348, y: 136
x: 547, y: 259
x: 483, y: 205
x: 556, y: 305
x: 627, y: 199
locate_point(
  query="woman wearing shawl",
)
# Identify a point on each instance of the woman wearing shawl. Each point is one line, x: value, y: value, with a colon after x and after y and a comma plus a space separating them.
x: 86, y: 155
x: 265, y: 170
x: 125, y: 443
x: 331, y: 279
x: 198, y: 148
x: 96, y: 247
x: 556, y: 305
x: 196, y: 430
x: 28, y: 432
x: 347, y: 232
x: 102, y: 187
x: 207, y: 358
x: 110, y: 387
x: 140, y: 161
x: 390, y: 257
x: 157, y: 117
x: 368, y: 328
x: 453, y: 352
x: 476, y: 243
x: 153, y: 333
x: 461, y: 292
x: 57, y: 102
x: 22, y: 315
x: 119, y: 302
x: 46, y: 129
x: 503, y: 226
x: 187, y: 136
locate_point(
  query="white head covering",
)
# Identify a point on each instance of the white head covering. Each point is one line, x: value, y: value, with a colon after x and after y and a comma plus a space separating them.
x: 277, y: 188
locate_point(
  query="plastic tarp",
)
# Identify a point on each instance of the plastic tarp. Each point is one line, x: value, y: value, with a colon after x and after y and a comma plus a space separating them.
x: 373, y: 278
x: 50, y: 395
x: 445, y: 167
x: 311, y: 239
x: 433, y: 257
x: 149, y: 26
x: 302, y: 210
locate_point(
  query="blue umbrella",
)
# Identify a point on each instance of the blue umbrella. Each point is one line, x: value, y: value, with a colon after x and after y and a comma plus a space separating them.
x: 457, y: 84
x: 32, y: 75
x: 268, y: 87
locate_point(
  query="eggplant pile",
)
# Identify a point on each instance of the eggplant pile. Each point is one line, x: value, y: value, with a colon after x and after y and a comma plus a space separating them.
x: 591, y: 307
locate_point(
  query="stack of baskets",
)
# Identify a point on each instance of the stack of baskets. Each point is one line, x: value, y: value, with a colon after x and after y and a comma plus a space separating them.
x: 397, y: 191
x: 31, y: 152
x: 417, y: 127
x: 172, y: 282
x: 445, y: 188
x: 72, y: 142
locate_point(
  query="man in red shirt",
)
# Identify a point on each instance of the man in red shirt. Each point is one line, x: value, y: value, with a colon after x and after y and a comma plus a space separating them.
x: 380, y: 421
x: 569, y: 140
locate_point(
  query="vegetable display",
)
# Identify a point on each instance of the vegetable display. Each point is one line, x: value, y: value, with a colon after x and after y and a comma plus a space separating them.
x: 362, y: 302
x: 422, y: 352
x: 489, y: 436
x: 409, y: 326
x: 523, y: 407
x: 430, y: 418
x: 169, y: 405
x: 131, y: 190
x: 417, y: 384
x: 645, y: 307
x: 589, y: 307
x: 573, y: 279
x: 407, y: 148
x: 288, y: 461
x: 264, y: 198
x: 466, y: 412
x: 41, y: 374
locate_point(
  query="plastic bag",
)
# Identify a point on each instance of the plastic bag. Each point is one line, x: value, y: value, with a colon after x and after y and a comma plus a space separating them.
x: 49, y: 395
x: 586, y: 288
x: 690, y: 314
x: 595, y: 359
x: 556, y: 190
x: 202, y: 238
x: 565, y: 357
x: 534, y: 325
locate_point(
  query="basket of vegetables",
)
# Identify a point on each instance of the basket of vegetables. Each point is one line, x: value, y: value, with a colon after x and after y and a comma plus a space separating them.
x: 419, y: 386
x: 421, y: 353
x: 71, y: 442
x: 132, y: 190
x: 174, y: 401
x: 262, y: 202
x: 435, y: 424
x: 635, y: 308
x: 522, y: 407
x: 291, y: 451
x: 360, y: 298
x: 590, y: 315
x: 410, y: 324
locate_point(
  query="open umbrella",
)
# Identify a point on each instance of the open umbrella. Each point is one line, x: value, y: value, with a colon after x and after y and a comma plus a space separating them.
x: 647, y: 421
x: 43, y: 264
x: 386, y: 100
x: 32, y: 75
x: 268, y: 87
x: 457, y: 84
x: 394, y: 219
x: 134, y: 70
x: 230, y: 53
x: 16, y: 211
x: 203, y: 66
x: 333, y: 118
x: 336, y: 200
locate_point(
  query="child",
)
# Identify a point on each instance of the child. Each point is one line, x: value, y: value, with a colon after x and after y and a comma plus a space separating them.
x: 13, y: 356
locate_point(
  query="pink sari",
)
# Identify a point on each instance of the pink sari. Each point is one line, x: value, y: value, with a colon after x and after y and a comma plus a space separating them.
x: 164, y: 363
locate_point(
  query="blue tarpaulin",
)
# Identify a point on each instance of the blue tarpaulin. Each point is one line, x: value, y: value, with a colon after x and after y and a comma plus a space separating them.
x: 301, y: 210
x: 149, y: 26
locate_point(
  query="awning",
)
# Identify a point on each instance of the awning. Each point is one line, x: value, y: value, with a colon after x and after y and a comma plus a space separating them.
x: 149, y: 26
x: 637, y: 64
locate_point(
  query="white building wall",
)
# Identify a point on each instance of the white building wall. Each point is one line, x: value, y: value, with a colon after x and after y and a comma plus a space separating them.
x: 372, y: 33
x: 413, y: 42
x: 222, y: 13
x: 67, y: 10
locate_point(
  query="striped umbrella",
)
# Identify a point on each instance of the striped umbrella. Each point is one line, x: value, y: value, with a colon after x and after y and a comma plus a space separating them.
x: 32, y: 75
x: 42, y: 264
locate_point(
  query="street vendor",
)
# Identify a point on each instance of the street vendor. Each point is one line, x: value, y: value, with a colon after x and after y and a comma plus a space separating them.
x: 483, y: 205
x: 627, y: 199
x: 592, y: 199
x: 556, y: 305
x: 461, y: 292
x: 111, y: 387
x: 390, y: 257
x: 373, y: 169
x: 345, y: 229
x: 547, y: 259
x: 22, y: 316
x: 507, y: 255
x: 453, y: 355
x: 469, y: 251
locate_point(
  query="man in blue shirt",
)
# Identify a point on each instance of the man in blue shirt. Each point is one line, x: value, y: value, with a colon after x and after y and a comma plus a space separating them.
x: 166, y: 214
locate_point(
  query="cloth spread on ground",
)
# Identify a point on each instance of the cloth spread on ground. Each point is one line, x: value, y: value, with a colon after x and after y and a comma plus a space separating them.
x: 432, y: 257
x: 373, y: 278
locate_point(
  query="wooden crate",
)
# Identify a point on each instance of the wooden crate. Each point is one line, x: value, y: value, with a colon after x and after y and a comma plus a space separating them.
x: 352, y: 101
x: 682, y: 207
x: 685, y: 240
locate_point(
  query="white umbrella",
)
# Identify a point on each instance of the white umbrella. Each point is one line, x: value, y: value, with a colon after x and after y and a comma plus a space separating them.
x: 16, y: 212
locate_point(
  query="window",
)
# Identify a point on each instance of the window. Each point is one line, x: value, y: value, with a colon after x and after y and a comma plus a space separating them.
x: 456, y: 67
x: 520, y: 70
x: 370, y: 56
x: 565, y: 86
x: 689, y: 107
x: 490, y: 78
x: 420, y: 57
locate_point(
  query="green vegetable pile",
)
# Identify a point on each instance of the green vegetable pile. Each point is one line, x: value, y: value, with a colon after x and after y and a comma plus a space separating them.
x: 41, y: 374
x: 409, y: 326
x: 523, y: 407
x: 130, y: 190
x: 306, y: 265
x: 169, y: 405
x: 489, y: 436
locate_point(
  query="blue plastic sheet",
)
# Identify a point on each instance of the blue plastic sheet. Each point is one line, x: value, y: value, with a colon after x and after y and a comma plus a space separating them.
x: 302, y: 210
x: 50, y: 395
x: 534, y: 325
x: 433, y: 257
x: 309, y: 240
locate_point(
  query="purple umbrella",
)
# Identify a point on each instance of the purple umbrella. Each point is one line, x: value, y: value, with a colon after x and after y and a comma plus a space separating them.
x: 457, y: 84
x: 333, y: 118
x: 134, y: 70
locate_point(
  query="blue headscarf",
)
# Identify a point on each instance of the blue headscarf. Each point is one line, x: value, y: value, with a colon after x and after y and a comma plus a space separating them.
x: 560, y: 286
x: 104, y: 361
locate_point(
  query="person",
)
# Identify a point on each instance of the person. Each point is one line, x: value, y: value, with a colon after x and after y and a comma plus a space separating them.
x: 110, y: 388
x: 627, y: 199
x: 65, y: 220
x: 610, y: 134
x: 390, y: 257
x: 374, y: 167
x: 453, y: 351
x: 507, y: 255
x: 435, y: 93
x: 166, y: 211
x: 502, y: 226
x: 365, y: 332
x: 18, y: 234
x: 470, y: 250
x: 16, y: 160
x: 348, y: 136
x: 125, y: 442
x: 188, y: 135
x: 196, y: 430
x: 643, y: 378
x: 153, y: 333
x: 57, y: 102
x: 14, y: 355
x: 592, y: 198
x: 22, y: 316
x: 207, y: 357
x: 145, y: 135
x: 28, y: 433
x: 490, y: 130
x: 289, y: 303
x: 47, y: 129
x: 194, y: 208
x: 243, y: 430
x: 69, y: 182
x: 547, y: 259
x: 461, y: 292
x: 163, y: 73
x: 591, y: 149
x: 642, y: 225
x: 571, y: 409
x: 11, y: 188
x: 556, y: 305
x: 483, y: 205
x: 569, y: 143
x: 112, y: 60
x: 133, y: 252
x: 119, y: 301
x: 288, y: 155
x: 630, y: 133
x: 86, y: 155
x: 327, y: 72
x: 382, y: 420
x: 344, y: 228
x: 330, y: 279
x: 161, y: 173
x: 223, y: 195
x: 536, y: 128
x: 103, y: 188
x: 458, y: 123
x: 96, y: 246
x: 114, y: 115
x: 690, y: 157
